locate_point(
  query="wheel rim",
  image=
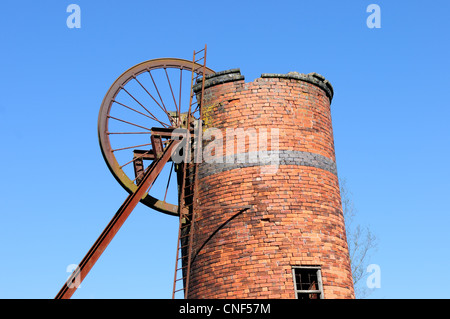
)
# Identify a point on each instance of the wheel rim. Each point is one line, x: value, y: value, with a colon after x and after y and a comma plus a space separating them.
x: 150, y: 94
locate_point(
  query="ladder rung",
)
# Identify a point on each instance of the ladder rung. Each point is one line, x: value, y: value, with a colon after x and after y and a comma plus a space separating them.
x: 181, y: 268
x: 182, y: 261
x: 185, y: 225
x: 183, y: 257
x: 198, y: 68
x: 189, y: 175
x: 184, y: 236
x: 178, y: 269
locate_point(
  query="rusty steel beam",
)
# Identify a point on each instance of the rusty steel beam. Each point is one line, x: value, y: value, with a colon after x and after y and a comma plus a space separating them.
x: 114, y: 225
x: 157, y: 145
x: 169, y: 132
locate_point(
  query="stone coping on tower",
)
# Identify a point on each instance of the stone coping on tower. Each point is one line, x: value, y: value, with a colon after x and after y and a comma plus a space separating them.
x: 219, y: 78
x: 232, y: 75
x: 313, y: 78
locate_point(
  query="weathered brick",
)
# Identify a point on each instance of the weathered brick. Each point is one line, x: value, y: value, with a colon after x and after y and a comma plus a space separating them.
x: 296, y: 214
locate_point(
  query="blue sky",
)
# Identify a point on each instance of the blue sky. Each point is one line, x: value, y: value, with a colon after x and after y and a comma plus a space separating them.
x: 390, y: 118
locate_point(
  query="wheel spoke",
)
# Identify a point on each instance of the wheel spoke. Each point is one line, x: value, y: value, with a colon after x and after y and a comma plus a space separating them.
x: 179, y: 98
x: 153, y: 117
x: 115, y: 118
x: 162, y: 102
x: 139, y: 175
x: 136, y: 158
x: 175, y: 102
x: 127, y: 148
x: 162, y: 108
x: 142, y: 174
x: 109, y: 133
x: 168, y: 181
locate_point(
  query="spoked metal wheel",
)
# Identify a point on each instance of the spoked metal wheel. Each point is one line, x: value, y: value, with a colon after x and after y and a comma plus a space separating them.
x: 151, y: 94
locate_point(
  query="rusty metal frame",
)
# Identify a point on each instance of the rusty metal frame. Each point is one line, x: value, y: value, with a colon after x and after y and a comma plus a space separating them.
x: 116, y: 222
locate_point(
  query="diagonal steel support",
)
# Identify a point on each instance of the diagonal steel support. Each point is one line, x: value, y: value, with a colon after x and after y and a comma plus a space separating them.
x: 114, y: 225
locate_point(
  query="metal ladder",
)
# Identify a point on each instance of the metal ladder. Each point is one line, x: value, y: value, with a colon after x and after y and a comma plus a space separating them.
x: 188, y: 189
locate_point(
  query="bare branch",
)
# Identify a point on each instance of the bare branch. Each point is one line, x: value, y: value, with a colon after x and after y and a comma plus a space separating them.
x: 361, y: 242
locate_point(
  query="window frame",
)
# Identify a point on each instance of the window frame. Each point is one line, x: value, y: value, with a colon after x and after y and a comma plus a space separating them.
x: 319, y: 281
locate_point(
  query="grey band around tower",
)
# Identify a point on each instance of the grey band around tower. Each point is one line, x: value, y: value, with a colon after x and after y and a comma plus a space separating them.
x: 281, y: 157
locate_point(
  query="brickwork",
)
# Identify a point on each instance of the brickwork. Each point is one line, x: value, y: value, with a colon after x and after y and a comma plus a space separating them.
x: 295, y: 214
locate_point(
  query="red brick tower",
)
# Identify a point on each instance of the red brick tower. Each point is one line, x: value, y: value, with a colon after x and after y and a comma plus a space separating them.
x: 271, y: 227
